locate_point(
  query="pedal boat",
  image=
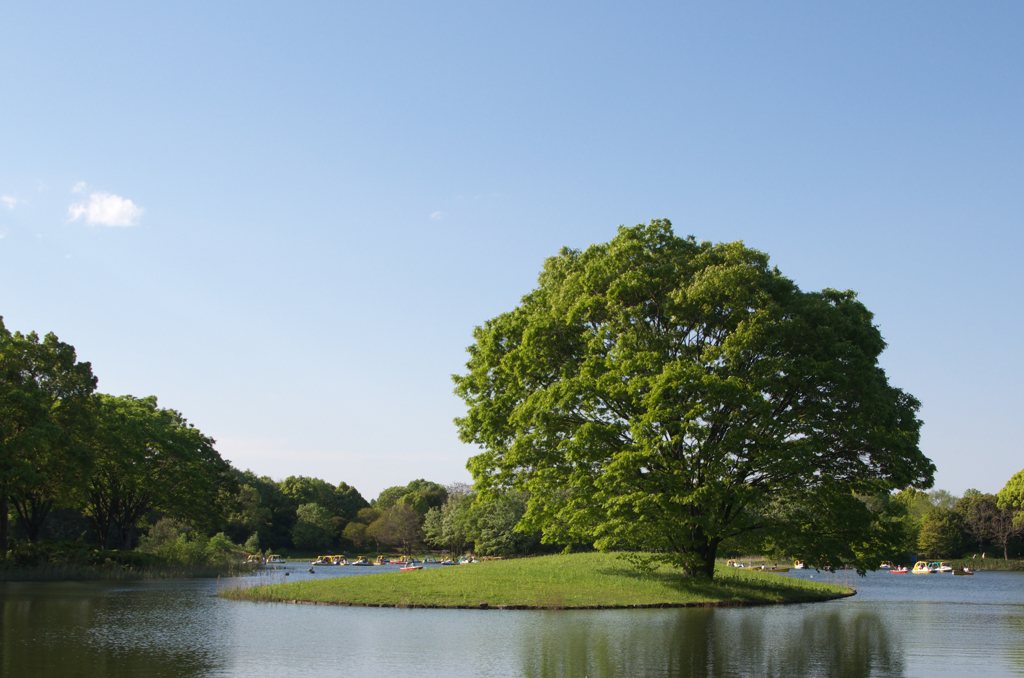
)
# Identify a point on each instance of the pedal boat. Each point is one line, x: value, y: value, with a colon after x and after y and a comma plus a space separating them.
x: 324, y: 561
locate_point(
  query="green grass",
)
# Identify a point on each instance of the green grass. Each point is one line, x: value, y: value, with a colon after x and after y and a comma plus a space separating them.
x: 553, y: 582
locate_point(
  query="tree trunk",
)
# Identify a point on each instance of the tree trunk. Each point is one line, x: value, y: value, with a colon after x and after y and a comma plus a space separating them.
x: 3, y: 523
x: 32, y: 514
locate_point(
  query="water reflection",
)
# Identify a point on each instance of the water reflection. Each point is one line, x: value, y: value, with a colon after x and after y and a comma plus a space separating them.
x: 712, y: 643
x: 102, y: 629
x: 180, y: 629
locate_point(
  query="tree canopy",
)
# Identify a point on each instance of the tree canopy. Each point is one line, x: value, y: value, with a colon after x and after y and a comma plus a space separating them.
x: 663, y: 394
x: 1011, y: 498
x: 148, y: 458
x: 45, y: 413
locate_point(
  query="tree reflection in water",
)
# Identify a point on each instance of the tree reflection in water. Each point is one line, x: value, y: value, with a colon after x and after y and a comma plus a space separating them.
x: 67, y: 629
x: 711, y: 643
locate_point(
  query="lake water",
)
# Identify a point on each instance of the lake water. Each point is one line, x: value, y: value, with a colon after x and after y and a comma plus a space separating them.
x: 897, y: 625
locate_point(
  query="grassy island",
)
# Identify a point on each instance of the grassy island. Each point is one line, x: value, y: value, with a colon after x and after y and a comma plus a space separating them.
x: 578, y: 581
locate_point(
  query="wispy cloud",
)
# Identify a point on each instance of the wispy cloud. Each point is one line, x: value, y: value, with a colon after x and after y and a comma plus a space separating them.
x: 79, y: 187
x: 436, y: 216
x: 105, y: 209
x: 9, y: 201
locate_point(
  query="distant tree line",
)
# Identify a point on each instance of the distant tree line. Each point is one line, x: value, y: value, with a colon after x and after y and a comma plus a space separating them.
x: 121, y: 472
x: 941, y: 525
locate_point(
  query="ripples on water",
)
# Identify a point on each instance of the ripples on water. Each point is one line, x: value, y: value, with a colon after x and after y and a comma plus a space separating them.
x: 897, y: 625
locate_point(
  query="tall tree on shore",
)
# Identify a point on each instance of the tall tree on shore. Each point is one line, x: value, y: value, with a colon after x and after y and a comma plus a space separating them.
x: 45, y: 414
x: 661, y: 394
x: 148, y: 458
x: 398, y: 526
x: 1011, y: 498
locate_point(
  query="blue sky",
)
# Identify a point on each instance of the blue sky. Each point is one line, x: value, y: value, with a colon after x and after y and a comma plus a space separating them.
x: 285, y: 221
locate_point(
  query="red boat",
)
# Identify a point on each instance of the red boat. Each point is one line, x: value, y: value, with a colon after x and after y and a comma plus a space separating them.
x: 898, y: 570
x: 411, y: 567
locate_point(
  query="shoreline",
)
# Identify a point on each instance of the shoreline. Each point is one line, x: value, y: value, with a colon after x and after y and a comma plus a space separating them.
x: 487, y: 606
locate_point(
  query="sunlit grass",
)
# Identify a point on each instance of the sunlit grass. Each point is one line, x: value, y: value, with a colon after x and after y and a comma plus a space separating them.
x: 561, y: 581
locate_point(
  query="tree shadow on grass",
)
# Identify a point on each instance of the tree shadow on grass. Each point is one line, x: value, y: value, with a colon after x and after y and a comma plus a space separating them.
x: 723, y: 586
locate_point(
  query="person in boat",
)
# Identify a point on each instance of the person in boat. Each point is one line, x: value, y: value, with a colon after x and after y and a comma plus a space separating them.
x: 311, y: 571
x: 967, y: 569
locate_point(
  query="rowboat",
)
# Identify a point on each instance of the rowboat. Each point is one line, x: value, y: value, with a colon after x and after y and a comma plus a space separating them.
x: 898, y: 570
x: 963, y: 573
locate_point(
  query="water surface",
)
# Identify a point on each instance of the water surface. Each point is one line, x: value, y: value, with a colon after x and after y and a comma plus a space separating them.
x: 897, y: 625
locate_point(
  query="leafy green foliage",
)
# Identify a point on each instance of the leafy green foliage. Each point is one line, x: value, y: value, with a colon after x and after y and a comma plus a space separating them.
x: 420, y: 495
x: 356, y: 533
x: 313, y: 527
x: 1011, y: 498
x: 398, y: 526
x: 660, y: 394
x: 451, y: 526
x: 942, y: 534
x: 179, y: 544
x: 45, y: 415
x: 148, y: 458
x: 493, y: 525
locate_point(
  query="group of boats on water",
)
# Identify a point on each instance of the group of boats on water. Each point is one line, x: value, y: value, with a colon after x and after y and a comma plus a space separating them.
x: 407, y: 562
x: 927, y: 567
x: 920, y: 567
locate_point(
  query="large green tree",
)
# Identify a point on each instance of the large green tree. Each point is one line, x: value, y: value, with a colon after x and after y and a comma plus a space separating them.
x: 149, y: 458
x: 45, y: 414
x: 1011, y: 498
x: 313, y: 528
x: 664, y: 394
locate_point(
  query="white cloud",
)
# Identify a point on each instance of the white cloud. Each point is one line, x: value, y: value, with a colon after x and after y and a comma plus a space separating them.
x: 9, y: 201
x: 436, y: 216
x: 106, y: 209
x: 79, y: 187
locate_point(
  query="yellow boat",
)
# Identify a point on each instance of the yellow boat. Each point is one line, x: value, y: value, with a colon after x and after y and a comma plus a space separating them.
x: 274, y: 559
x: 324, y: 561
x: 886, y: 565
x: 922, y: 567
x: 798, y: 565
x: 254, y: 560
